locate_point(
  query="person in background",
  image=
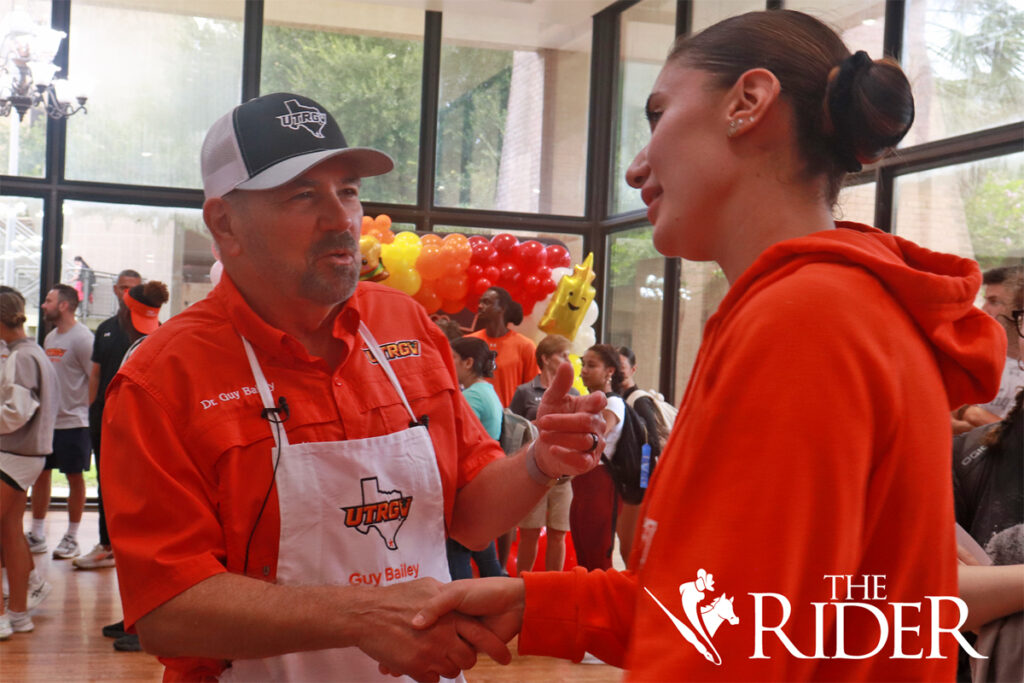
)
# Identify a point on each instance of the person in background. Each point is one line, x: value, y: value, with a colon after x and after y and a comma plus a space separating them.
x: 813, y: 439
x: 69, y: 348
x: 1002, y: 287
x: 28, y: 411
x: 552, y: 511
x: 516, y: 362
x: 474, y: 363
x: 109, y: 345
x: 138, y: 317
x: 595, y: 503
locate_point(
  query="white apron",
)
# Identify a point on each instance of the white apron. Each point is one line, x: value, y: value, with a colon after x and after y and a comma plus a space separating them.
x: 363, y: 511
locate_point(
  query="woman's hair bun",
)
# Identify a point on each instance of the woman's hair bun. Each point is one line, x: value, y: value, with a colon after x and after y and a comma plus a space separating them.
x: 868, y: 109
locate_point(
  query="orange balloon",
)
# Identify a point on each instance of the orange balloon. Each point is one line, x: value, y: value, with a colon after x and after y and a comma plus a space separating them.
x: 383, y: 221
x: 452, y: 307
x: 428, y: 298
x: 366, y: 226
x: 430, y: 238
x: 456, y: 240
x: 430, y: 263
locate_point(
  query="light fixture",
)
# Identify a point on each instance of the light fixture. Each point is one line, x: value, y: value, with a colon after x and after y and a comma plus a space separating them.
x: 27, y: 51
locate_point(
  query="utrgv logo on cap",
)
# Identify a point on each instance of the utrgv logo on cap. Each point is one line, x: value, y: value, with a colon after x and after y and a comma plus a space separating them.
x: 301, y: 116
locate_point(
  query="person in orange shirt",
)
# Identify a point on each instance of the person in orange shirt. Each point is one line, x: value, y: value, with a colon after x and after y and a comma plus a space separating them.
x: 288, y: 455
x: 516, y: 353
x: 799, y: 523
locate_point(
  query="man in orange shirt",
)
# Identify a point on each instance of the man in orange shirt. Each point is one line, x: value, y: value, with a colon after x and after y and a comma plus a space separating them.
x: 291, y: 452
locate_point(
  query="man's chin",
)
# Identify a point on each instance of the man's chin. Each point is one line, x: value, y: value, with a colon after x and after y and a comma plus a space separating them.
x: 330, y: 289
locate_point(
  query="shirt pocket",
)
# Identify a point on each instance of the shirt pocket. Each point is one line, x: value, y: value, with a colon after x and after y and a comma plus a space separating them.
x: 421, y: 384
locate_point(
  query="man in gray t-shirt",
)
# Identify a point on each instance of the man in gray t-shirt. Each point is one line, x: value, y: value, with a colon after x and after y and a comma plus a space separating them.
x: 69, y: 348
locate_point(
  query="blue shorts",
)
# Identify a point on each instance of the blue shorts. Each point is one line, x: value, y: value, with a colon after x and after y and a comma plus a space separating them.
x: 72, y: 451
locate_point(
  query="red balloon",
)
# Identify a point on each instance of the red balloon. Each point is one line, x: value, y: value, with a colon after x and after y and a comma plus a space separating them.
x: 504, y: 244
x: 510, y: 279
x: 531, y: 254
x: 557, y: 257
x: 533, y: 287
x: 543, y: 274
x: 478, y: 239
x: 474, y: 272
x: 477, y: 288
x: 492, y: 274
x: 483, y: 254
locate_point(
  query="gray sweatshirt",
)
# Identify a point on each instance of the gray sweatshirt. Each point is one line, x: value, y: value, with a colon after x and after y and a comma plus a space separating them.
x: 28, y: 400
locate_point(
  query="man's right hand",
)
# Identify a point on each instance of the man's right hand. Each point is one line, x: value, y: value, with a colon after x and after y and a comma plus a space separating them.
x: 445, y: 647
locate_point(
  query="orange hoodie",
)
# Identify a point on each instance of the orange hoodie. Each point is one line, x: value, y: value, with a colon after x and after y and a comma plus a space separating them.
x: 812, y: 445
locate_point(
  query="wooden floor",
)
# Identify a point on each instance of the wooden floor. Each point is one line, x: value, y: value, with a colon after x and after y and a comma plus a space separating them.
x: 67, y: 644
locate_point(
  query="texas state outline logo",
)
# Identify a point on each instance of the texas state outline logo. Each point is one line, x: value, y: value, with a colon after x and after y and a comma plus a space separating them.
x: 705, y: 619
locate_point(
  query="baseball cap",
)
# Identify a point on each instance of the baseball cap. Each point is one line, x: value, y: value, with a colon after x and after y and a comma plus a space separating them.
x: 270, y: 140
x: 144, y: 317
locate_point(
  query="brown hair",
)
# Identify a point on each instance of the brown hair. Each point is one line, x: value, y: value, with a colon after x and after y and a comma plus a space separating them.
x: 12, y: 307
x: 69, y: 294
x: 847, y: 109
x: 476, y: 349
x: 551, y: 345
x: 154, y: 293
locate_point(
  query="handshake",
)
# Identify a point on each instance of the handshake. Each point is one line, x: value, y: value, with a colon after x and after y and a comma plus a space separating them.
x: 430, y: 630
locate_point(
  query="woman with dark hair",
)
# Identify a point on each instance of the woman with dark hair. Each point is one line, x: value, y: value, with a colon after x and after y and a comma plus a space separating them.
x: 28, y: 413
x: 516, y: 363
x: 595, y: 505
x: 811, y: 449
x: 474, y: 363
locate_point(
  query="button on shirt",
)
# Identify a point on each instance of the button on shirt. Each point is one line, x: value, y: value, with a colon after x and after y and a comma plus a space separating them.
x: 192, y: 457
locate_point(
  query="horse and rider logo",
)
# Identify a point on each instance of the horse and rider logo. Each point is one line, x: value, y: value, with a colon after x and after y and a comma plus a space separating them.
x: 704, y: 619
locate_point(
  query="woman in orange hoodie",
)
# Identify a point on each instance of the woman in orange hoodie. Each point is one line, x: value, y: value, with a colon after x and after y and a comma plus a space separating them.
x: 798, y: 526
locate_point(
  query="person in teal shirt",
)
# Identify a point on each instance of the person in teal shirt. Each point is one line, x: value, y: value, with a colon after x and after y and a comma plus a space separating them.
x: 473, y: 362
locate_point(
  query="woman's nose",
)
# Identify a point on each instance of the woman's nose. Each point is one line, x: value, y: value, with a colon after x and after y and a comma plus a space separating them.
x: 638, y: 171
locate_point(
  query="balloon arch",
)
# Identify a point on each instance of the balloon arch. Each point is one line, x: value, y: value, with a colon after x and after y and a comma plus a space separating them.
x: 449, y: 273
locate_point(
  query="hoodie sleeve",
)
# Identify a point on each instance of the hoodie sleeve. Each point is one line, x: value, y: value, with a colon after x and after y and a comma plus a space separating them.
x: 19, y: 392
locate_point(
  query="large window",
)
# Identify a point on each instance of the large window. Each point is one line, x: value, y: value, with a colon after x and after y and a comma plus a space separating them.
x: 702, y: 287
x: 156, y: 81
x: 856, y: 203
x: 632, y: 309
x: 21, y: 237
x: 861, y: 25
x: 369, y: 78
x: 512, y: 117
x: 648, y: 30
x: 966, y: 61
x: 975, y: 210
x: 169, y: 245
x: 23, y: 141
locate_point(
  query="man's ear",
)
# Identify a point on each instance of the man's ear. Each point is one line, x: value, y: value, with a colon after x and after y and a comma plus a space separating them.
x: 219, y: 216
x: 750, y: 99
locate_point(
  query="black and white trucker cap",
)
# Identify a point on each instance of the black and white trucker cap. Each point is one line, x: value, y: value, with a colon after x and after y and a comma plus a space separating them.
x: 271, y: 140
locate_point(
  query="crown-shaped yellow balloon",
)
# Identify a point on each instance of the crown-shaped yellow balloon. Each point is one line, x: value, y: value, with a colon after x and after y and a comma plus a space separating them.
x: 571, y: 300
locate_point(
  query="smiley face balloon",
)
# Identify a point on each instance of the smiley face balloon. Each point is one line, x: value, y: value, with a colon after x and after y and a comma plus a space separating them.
x: 570, y: 301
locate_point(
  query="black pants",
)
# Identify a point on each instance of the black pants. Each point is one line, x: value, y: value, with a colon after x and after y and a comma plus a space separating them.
x: 95, y: 427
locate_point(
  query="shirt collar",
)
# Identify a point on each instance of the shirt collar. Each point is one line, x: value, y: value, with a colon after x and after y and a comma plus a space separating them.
x: 278, y: 342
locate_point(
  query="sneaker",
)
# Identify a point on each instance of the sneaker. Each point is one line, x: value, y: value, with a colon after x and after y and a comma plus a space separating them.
x: 97, y: 558
x: 37, y: 544
x: 128, y: 643
x: 114, y: 630
x: 22, y: 623
x: 37, y: 593
x: 5, y: 627
x: 67, y: 548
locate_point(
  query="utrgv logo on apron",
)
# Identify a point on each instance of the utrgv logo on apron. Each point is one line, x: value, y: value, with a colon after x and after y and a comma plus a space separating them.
x: 382, y: 511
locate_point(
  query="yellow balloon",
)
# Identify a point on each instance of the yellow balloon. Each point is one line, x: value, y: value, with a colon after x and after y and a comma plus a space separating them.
x: 577, y: 380
x: 570, y: 302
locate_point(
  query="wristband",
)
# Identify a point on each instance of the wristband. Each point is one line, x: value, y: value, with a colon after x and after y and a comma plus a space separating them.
x: 535, y: 472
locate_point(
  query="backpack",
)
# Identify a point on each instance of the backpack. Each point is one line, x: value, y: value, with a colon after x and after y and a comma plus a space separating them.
x: 516, y: 432
x: 627, y: 465
x: 663, y: 410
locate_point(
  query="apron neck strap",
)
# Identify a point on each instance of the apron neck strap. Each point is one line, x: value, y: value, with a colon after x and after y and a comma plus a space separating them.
x: 264, y: 390
x: 382, y: 361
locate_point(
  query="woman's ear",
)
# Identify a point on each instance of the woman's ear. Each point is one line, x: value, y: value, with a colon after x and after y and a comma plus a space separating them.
x: 749, y: 100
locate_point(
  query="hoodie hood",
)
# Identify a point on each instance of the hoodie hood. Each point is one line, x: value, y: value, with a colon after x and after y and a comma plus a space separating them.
x: 937, y: 290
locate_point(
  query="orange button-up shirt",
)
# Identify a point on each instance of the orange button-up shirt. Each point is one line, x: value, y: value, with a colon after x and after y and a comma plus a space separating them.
x: 188, y: 459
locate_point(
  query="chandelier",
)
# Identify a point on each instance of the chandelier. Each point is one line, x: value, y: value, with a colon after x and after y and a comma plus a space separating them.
x: 27, y: 51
